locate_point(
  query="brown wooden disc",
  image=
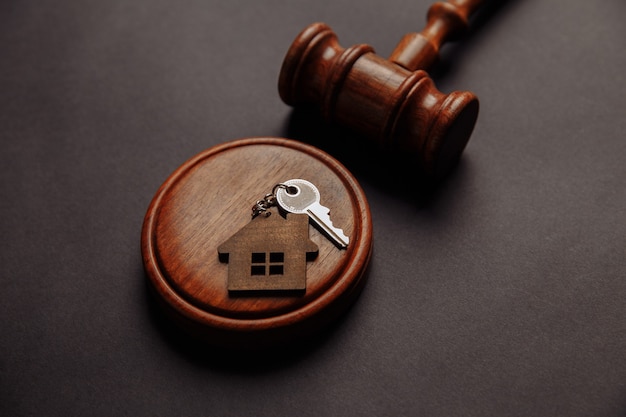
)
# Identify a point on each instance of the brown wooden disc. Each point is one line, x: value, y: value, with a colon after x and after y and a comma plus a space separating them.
x: 208, y: 199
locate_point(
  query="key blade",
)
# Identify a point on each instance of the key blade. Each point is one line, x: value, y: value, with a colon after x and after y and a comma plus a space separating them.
x: 319, y: 214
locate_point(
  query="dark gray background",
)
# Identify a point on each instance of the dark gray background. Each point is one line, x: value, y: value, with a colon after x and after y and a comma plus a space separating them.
x: 501, y: 293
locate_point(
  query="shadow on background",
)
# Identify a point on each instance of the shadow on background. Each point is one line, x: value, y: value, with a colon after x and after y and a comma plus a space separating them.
x: 395, y: 173
x: 248, y: 361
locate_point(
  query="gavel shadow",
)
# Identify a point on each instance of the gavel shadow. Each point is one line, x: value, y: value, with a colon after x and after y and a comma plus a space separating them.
x: 248, y: 361
x: 392, y: 172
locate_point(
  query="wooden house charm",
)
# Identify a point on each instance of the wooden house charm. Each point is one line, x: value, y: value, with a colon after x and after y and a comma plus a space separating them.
x: 269, y: 254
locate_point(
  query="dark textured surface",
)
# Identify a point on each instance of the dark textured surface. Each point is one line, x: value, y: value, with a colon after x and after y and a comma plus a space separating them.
x: 503, y: 292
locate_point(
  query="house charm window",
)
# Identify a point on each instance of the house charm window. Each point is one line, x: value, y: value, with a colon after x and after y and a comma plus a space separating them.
x: 264, y: 263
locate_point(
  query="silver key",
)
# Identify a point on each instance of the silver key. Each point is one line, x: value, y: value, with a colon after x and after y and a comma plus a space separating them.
x: 301, y: 197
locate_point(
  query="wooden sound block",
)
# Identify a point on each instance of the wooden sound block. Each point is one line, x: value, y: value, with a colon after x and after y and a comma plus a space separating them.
x: 209, y: 198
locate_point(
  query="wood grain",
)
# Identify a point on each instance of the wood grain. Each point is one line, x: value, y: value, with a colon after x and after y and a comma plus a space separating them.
x: 445, y: 22
x: 386, y: 100
x: 208, y: 199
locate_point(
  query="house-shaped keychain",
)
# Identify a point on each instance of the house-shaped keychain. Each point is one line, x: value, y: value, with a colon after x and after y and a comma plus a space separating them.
x: 269, y: 254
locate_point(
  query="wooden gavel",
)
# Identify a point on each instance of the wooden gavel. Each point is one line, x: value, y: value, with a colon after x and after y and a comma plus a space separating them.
x: 391, y: 101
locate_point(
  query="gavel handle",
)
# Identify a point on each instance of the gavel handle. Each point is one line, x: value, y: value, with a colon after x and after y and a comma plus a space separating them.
x: 445, y: 21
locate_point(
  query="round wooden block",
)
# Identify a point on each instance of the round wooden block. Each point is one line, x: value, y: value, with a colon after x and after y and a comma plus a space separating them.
x: 207, y: 200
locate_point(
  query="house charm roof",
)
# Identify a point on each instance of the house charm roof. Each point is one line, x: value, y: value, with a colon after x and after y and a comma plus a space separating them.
x: 269, y: 254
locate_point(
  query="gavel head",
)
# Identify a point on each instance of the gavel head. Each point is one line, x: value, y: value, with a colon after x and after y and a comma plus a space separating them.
x: 398, y: 108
